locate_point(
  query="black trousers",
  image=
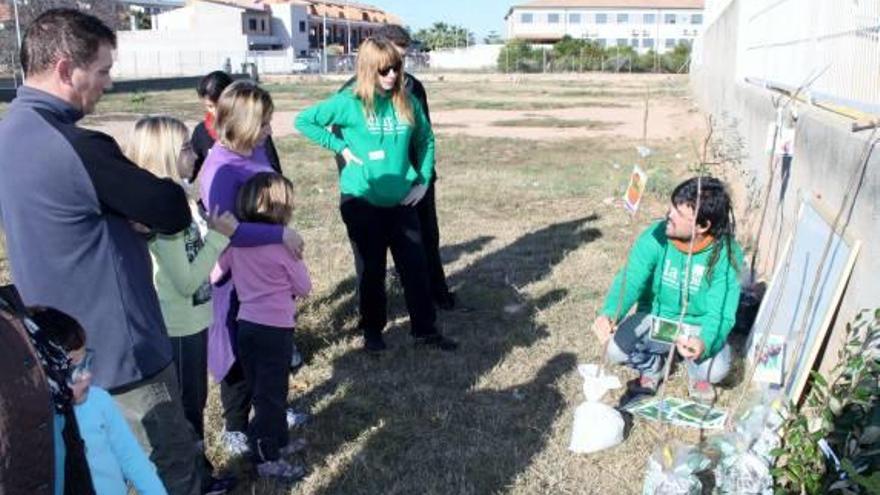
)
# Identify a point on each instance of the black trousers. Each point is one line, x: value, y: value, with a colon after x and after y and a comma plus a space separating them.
x: 235, y: 397
x: 191, y: 363
x: 373, y: 231
x: 427, y: 213
x: 235, y: 394
x: 265, y: 353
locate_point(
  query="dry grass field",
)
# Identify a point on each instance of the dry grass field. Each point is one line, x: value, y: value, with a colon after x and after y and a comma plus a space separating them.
x: 532, y: 233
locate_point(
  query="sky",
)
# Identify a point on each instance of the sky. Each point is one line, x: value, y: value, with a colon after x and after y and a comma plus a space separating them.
x: 479, y: 16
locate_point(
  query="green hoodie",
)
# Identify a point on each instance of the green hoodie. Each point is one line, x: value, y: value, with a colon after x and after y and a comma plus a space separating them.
x: 381, y: 141
x: 654, y: 280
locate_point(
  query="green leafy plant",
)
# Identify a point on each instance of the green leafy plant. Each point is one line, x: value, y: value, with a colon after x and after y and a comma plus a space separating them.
x: 138, y: 100
x: 842, y: 410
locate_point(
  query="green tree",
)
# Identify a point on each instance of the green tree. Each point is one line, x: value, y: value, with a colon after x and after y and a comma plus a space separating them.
x: 576, y: 54
x: 678, y: 59
x: 441, y: 35
x: 519, y: 56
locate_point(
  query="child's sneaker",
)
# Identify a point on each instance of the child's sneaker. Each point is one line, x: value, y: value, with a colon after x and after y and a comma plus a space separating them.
x: 281, y: 470
x: 235, y: 443
x: 648, y: 384
x: 701, y: 391
x: 294, y: 447
x: 295, y: 419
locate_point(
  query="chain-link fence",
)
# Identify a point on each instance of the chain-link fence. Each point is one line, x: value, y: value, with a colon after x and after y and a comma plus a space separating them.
x: 521, y: 57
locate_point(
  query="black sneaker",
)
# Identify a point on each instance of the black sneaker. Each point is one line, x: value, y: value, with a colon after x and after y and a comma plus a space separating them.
x: 219, y: 485
x: 437, y: 341
x: 374, y: 344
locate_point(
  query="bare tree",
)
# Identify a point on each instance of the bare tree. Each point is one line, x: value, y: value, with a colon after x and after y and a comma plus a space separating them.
x: 111, y: 12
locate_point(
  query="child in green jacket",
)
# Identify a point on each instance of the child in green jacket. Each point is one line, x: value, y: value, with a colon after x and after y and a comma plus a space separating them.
x: 653, y: 280
x: 182, y: 262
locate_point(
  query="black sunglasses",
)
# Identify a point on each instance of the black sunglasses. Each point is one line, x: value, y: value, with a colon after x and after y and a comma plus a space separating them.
x: 385, y: 70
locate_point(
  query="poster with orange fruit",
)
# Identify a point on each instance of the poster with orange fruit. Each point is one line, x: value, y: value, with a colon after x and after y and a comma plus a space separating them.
x: 635, y: 190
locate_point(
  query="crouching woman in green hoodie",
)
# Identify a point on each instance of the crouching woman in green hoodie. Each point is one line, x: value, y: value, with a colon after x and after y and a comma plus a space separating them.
x: 654, y: 280
x: 380, y: 187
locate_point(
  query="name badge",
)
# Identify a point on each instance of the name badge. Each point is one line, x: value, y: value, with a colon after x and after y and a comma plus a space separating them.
x: 377, y: 155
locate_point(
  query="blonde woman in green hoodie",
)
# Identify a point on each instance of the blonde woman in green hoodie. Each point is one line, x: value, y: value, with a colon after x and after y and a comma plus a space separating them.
x: 380, y: 186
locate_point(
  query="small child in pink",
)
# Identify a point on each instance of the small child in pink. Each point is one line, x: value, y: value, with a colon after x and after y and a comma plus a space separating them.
x: 268, y: 280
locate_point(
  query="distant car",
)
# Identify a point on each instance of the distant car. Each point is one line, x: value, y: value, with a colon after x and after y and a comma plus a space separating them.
x: 306, y: 65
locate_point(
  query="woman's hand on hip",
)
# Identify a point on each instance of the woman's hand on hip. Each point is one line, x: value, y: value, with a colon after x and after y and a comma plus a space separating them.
x: 350, y: 157
x: 415, y: 195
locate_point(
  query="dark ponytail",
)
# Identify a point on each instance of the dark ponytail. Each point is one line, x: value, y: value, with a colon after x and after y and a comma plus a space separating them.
x: 716, y: 210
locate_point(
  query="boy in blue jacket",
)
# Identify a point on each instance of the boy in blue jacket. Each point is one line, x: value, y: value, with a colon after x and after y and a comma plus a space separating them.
x: 115, y: 458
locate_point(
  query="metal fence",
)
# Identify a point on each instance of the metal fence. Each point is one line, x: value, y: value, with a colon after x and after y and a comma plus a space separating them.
x: 834, y: 44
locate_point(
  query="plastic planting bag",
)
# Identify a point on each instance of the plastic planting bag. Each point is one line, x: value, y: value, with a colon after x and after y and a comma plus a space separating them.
x: 743, y: 455
x: 597, y: 426
x: 672, y: 470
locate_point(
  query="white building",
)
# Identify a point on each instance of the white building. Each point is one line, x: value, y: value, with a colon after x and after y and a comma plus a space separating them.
x: 205, y: 35
x: 645, y: 25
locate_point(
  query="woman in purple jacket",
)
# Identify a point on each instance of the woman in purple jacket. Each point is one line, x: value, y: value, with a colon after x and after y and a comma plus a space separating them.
x: 244, y: 113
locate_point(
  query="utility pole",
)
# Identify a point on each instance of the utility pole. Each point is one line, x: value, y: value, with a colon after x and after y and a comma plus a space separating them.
x: 18, y: 38
x: 324, y: 44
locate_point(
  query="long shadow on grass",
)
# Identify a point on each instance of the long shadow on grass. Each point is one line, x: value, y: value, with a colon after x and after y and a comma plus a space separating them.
x: 343, y: 297
x: 423, y: 421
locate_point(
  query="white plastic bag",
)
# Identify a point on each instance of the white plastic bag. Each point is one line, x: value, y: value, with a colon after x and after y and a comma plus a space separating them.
x: 597, y: 426
x: 596, y: 384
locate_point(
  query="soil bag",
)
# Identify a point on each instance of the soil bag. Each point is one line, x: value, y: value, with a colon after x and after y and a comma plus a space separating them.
x: 597, y: 426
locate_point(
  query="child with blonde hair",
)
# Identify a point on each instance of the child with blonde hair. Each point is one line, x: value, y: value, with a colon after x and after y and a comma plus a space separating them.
x: 269, y: 280
x: 182, y: 263
x: 243, y: 126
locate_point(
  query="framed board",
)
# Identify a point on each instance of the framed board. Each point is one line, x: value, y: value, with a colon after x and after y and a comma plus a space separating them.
x: 787, y: 311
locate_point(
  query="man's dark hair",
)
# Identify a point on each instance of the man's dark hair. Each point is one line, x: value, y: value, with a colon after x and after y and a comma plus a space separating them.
x: 716, y: 210
x: 212, y: 85
x: 60, y: 33
x: 59, y: 327
x: 395, y: 34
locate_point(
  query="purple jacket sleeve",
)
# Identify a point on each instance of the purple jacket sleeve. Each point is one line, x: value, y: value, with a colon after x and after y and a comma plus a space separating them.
x: 224, y: 189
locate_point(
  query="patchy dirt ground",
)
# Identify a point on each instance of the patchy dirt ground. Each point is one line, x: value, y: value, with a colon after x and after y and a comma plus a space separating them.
x: 618, y: 103
x: 532, y: 234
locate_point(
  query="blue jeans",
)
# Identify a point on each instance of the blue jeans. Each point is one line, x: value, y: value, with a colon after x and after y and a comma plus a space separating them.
x: 631, y: 346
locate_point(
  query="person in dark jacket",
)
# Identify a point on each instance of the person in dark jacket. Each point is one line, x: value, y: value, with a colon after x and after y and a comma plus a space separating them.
x: 204, y: 135
x: 427, y: 207
x: 75, y: 212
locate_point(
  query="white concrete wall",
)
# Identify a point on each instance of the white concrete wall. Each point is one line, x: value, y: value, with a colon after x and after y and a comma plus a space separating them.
x: 621, y: 26
x: 476, y: 57
x: 826, y: 157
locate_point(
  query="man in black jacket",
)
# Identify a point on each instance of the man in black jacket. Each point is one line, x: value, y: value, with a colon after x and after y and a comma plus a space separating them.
x: 427, y: 207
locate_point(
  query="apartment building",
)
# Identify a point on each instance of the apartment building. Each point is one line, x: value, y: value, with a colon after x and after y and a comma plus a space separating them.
x: 645, y: 25
x: 206, y: 35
